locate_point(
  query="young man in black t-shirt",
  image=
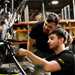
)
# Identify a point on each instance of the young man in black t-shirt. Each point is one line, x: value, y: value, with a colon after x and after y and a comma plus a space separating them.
x: 41, y: 38
x: 63, y: 60
x: 39, y: 35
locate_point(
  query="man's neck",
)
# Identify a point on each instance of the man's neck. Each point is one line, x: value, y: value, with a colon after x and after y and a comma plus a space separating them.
x: 60, y: 49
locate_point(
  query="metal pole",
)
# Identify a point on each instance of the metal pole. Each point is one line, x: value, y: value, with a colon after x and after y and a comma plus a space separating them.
x: 26, y: 12
x: 68, y: 8
x: 65, y: 13
x: 12, y: 6
x: 5, y: 7
x: 62, y: 13
x: 74, y: 8
x: 18, y: 65
x: 43, y: 10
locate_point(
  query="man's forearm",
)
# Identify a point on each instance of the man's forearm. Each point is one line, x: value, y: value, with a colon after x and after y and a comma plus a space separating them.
x: 35, y: 59
x: 47, y: 66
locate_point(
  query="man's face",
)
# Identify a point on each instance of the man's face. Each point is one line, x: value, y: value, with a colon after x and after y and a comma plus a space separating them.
x: 49, y: 27
x: 53, y: 41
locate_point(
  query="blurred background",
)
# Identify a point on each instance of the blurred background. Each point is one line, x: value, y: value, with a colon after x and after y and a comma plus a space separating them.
x: 65, y: 8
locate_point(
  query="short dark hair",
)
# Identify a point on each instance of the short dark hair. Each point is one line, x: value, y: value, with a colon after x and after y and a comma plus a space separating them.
x: 60, y: 33
x: 52, y: 17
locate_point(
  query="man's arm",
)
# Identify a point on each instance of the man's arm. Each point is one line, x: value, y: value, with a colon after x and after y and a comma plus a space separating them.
x: 51, y: 66
x: 30, y: 45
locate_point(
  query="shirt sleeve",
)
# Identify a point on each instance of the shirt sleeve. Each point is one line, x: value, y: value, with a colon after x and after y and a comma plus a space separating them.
x: 33, y: 33
x: 65, y: 61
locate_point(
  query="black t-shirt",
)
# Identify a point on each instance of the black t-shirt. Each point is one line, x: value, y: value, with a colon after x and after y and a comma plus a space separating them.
x: 66, y: 61
x: 41, y: 41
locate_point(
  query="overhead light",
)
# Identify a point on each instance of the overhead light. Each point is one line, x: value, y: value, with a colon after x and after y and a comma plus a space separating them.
x: 55, y: 2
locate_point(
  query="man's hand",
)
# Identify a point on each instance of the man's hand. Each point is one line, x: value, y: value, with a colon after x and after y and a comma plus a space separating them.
x: 22, y: 52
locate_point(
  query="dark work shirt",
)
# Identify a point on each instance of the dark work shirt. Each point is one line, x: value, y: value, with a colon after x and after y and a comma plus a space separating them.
x: 66, y: 61
x: 41, y: 41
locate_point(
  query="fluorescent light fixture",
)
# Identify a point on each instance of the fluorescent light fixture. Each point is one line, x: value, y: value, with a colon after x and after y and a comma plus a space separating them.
x: 55, y: 2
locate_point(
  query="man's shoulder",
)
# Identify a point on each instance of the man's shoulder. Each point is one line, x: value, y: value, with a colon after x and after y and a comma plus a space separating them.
x: 65, y: 58
x: 39, y: 24
x: 67, y: 51
x: 66, y: 55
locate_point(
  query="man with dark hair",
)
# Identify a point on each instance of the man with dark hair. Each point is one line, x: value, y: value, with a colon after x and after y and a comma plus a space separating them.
x: 39, y: 35
x: 62, y: 62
